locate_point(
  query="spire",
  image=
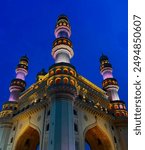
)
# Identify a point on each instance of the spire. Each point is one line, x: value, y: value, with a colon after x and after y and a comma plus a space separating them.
x: 62, y: 46
x: 18, y: 84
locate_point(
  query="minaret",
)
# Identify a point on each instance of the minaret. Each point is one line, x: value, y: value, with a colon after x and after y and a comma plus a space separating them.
x: 18, y: 84
x: 109, y: 83
x: 62, y: 90
x: 62, y: 47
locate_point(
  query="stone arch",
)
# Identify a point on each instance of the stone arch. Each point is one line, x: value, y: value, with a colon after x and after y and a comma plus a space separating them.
x: 28, y: 139
x: 97, y: 138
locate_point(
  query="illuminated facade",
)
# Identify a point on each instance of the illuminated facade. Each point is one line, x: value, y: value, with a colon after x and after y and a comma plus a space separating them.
x: 63, y: 110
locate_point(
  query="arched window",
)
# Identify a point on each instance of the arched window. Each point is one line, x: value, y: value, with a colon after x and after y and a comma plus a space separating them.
x: 72, y: 82
x: 117, y: 114
x: 75, y: 112
x: 50, y: 82
x: 58, y: 71
x: 123, y: 114
x: 121, y: 107
x: 64, y: 24
x: 72, y: 73
x: 57, y: 80
x: 65, y: 70
x: 116, y: 106
x: 47, y: 127
x: 76, y: 127
x: 11, y: 140
x: 65, y: 80
x: 51, y: 73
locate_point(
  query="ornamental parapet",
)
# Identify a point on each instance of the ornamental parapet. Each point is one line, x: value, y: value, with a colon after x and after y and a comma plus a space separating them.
x: 62, y: 40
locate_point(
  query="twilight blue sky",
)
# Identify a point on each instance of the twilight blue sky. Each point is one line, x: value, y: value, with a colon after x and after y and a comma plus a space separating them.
x: 98, y: 26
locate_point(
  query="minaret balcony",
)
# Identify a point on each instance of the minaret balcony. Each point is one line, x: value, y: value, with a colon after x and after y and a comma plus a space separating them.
x: 64, y: 41
x: 110, y: 83
x: 17, y: 85
x: 22, y: 68
x: 62, y: 45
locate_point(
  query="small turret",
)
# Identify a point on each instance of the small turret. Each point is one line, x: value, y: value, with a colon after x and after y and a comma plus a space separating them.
x: 41, y: 74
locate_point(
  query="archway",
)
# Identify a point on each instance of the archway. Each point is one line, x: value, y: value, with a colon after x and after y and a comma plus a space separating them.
x: 87, y: 146
x: 29, y: 140
x: 97, y: 139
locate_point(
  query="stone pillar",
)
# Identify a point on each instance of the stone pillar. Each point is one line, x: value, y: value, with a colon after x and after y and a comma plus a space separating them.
x: 61, y: 135
x: 5, y: 129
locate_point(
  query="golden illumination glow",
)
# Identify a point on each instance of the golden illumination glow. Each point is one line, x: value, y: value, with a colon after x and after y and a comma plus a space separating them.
x: 50, y: 82
x: 64, y: 23
x: 58, y: 71
x: 51, y: 73
x: 116, y: 107
x: 72, y: 72
x: 65, y: 80
x: 64, y: 41
x: 59, y: 41
x: 72, y: 82
x: 23, y: 63
x: 93, y: 86
x: 65, y: 70
x: 57, y: 80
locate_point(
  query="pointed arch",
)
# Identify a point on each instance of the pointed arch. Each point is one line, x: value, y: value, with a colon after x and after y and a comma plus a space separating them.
x: 97, y: 138
x: 29, y: 139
